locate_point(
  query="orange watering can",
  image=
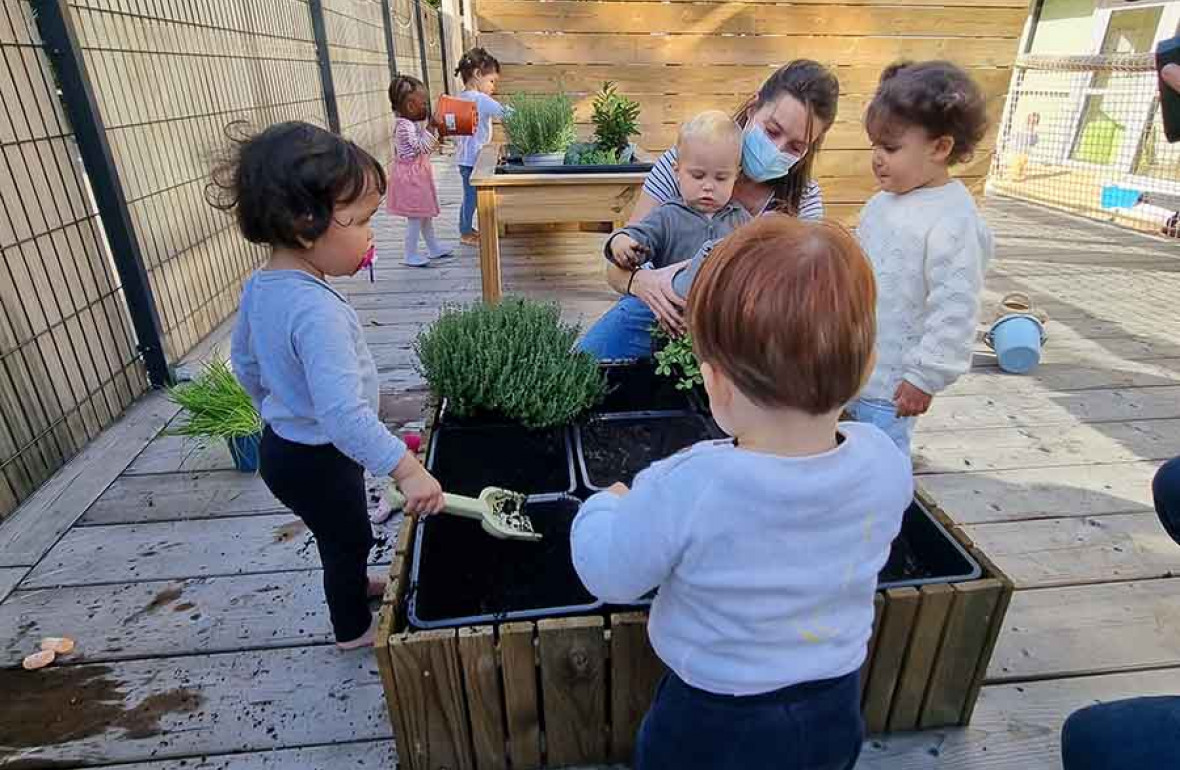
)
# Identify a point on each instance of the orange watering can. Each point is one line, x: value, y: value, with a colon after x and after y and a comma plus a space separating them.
x: 456, y: 117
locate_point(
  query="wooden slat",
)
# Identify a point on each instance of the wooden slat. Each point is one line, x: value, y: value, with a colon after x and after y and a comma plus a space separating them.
x: 698, y: 79
x: 1071, y: 551
x: 1016, y: 726
x: 485, y: 702
x: 953, y: 412
x: 134, y: 499
x: 901, y: 607
x: 964, y: 639
x: 154, y: 618
x: 1057, y: 632
x: 867, y: 668
x: 566, y: 204
x: 632, y: 18
x: 519, y: 661
x: 120, y: 553
x: 635, y: 672
x: 30, y: 532
x: 1015, y: 495
x: 489, y: 245
x: 172, y: 454
x: 919, y: 657
x: 573, y: 682
x: 365, y: 754
x: 189, y: 706
x: 671, y: 49
x: 10, y: 577
x: 429, y: 687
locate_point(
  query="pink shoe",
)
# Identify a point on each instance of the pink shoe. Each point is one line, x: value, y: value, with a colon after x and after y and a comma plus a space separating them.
x: 413, y: 441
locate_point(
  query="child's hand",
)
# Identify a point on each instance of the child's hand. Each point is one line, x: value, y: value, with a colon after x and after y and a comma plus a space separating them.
x: 628, y: 252
x: 910, y: 400
x: 618, y: 488
x: 422, y: 492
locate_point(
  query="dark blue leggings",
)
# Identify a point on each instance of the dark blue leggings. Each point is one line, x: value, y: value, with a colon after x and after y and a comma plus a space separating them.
x: 1166, y: 491
x: 809, y: 726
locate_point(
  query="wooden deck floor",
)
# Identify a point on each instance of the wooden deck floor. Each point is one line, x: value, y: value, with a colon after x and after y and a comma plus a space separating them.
x: 203, y: 638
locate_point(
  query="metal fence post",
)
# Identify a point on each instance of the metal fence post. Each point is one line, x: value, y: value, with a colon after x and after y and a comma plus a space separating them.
x: 442, y: 46
x: 422, y: 45
x: 390, y: 43
x: 61, y: 43
x: 321, y: 46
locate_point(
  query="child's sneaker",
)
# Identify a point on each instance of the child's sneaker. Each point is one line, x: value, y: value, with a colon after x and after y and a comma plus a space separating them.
x: 446, y: 252
x: 416, y: 261
x: 470, y: 239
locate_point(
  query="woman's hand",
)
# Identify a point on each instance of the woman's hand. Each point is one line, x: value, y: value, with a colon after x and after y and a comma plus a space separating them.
x: 422, y: 491
x: 654, y: 289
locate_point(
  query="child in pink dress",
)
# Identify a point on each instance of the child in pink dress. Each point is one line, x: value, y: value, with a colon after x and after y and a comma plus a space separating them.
x: 412, y: 193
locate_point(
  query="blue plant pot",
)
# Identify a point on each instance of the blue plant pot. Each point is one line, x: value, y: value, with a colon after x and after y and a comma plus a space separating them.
x: 244, y: 450
x: 1017, y: 340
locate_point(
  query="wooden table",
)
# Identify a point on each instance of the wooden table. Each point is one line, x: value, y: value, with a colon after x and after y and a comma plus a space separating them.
x: 511, y: 199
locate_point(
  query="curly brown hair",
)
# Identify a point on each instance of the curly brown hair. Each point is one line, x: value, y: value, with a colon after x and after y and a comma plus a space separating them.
x: 477, y: 61
x: 936, y: 96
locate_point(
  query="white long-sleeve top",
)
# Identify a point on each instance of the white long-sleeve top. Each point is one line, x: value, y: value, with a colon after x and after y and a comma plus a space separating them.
x: 930, y: 249
x: 766, y: 565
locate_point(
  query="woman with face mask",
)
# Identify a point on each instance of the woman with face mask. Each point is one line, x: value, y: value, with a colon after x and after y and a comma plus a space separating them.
x: 783, y: 126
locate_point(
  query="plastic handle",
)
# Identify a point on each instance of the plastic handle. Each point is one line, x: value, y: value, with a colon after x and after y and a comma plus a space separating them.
x: 457, y: 505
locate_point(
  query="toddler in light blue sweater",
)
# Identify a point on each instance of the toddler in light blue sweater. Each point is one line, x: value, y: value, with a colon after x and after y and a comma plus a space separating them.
x: 766, y: 549
x: 299, y: 350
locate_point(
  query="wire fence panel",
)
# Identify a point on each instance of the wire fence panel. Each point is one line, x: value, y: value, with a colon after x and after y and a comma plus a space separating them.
x: 405, y: 37
x: 169, y: 77
x: 360, y: 69
x: 434, y: 50
x: 1085, y: 134
x: 68, y: 359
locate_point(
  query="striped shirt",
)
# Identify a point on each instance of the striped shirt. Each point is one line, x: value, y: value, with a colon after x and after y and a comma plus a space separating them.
x: 412, y: 139
x: 661, y: 184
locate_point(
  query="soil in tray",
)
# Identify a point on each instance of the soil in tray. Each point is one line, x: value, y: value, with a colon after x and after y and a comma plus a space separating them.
x: 637, y: 388
x: 616, y: 450
x: 465, y: 460
x: 904, y: 563
x: 464, y: 572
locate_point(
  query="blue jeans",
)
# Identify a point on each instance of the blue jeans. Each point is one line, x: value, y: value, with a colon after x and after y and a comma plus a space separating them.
x: 467, y: 208
x: 883, y: 414
x: 1123, y: 735
x: 1165, y: 490
x: 810, y: 726
x: 624, y: 331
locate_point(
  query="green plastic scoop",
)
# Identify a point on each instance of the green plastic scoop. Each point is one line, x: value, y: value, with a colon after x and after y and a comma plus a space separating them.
x: 499, y: 511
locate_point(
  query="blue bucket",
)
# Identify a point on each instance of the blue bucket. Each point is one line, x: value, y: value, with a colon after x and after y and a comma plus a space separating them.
x: 1017, y: 340
x: 244, y: 450
x: 1115, y: 197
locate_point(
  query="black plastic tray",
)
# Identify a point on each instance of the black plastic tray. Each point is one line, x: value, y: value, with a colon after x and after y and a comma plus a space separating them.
x: 710, y: 432
x: 631, y: 373
x: 942, y: 554
x: 520, y: 461
x: 512, y: 166
x: 502, y: 561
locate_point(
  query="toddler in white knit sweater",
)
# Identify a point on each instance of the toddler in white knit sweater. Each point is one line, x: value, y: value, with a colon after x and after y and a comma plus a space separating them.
x: 928, y: 244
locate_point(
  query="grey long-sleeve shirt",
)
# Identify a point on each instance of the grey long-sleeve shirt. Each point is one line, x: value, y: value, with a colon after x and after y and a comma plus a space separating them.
x: 299, y: 351
x: 675, y: 233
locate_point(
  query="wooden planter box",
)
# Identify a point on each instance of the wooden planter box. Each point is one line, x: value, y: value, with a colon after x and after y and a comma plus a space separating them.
x: 572, y: 691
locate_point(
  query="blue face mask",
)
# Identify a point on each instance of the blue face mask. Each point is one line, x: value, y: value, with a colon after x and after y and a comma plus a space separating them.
x: 761, y: 159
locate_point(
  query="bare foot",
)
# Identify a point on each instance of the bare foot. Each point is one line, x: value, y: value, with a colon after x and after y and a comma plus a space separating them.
x: 377, y: 587
x: 364, y: 640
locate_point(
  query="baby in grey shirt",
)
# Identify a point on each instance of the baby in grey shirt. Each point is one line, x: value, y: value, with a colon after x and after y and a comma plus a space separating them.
x: 709, y: 152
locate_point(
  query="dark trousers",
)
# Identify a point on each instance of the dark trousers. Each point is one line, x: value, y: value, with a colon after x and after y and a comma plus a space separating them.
x: 1166, y: 491
x: 809, y: 726
x: 1135, y: 734
x: 327, y: 490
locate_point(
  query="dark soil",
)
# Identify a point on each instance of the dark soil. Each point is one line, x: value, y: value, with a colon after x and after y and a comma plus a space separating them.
x: 923, y: 551
x: 635, y: 387
x: 480, y: 419
x: 616, y: 450
x: 465, y: 460
x: 463, y: 572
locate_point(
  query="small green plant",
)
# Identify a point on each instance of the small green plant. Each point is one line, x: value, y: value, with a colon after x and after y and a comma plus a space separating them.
x: 677, y: 359
x: 540, y: 123
x: 597, y: 156
x: 515, y: 358
x: 616, y: 119
x: 216, y: 405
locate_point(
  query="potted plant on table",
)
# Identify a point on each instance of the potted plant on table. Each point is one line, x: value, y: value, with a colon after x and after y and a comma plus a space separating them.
x: 540, y: 127
x: 217, y: 407
x: 616, y: 120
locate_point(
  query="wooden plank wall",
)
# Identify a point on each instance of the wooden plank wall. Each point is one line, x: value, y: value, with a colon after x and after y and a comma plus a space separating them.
x: 360, y: 72
x: 678, y: 58
x: 169, y: 77
x: 68, y: 363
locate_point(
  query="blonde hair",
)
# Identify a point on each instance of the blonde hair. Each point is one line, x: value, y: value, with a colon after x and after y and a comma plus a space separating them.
x: 711, y: 125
